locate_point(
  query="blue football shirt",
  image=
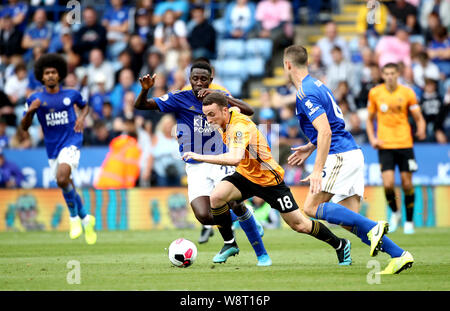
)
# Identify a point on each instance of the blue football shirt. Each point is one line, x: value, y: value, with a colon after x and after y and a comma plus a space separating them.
x: 57, y: 116
x: 193, y: 130
x: 314, y: 99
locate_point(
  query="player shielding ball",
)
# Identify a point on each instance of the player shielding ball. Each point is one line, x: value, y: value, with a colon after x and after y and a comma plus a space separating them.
x: 257, y: 174
x: 63, y: 135
x: 390, y: 104
x: 195, y: 134
x: 337, y: 179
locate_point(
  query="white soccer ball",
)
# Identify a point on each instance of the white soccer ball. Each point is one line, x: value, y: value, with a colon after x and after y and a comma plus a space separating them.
x: 182, y: 253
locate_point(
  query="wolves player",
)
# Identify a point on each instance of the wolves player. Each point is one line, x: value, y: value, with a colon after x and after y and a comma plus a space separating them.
x: 337, y: 180
x: 195, y: 134
x: 62, y: 135
x: 257, y: 174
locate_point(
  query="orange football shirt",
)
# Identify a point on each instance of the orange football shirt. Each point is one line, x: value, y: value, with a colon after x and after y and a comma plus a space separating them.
x: 391, y: 109
x: 258, y: 164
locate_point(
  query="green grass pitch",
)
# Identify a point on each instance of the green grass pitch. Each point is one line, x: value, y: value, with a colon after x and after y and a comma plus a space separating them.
x: 127, y: 260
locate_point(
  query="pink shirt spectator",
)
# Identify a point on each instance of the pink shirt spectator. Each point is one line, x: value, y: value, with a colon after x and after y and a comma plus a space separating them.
x: 272, y: 13
x: 393, y: 50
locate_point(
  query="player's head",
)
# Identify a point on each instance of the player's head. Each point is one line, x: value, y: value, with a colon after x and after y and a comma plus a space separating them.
x: 200, y: 76
x: 390, y: 73
x: 215, y: 108
x: 50, y: 69
x: 295, y: 56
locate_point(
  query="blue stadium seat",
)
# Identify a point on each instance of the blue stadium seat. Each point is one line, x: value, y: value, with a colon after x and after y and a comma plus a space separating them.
x: 219, y: 26
x: 231, y: 67
x: 234, y: 85
x: 255, y: 66
x: 230, y: 48
x: 259, y: 47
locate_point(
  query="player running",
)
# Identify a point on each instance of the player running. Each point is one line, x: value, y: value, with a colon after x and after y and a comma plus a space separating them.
x: 257, y: 174
x: 337, y: 180
x: 63, y: 135
x: 390, y: 103
x: 195, y: 134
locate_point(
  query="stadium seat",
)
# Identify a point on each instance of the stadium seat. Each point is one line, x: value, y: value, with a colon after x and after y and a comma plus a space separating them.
x: 230, y: 48
x: 256, y: 66
x: 234, y: 85
x: 259, y: 47
x: 219, y: 26
x: 231, y: 67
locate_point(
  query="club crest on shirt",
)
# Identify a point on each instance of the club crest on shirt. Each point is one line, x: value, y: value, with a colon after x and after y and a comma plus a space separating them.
x: 67, y: 101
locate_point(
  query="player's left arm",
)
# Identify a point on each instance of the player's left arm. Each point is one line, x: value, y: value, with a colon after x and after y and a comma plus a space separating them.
x: 416, y: 113
x: 233, y: 157
x: 322, y: 126
x: 79, y: 123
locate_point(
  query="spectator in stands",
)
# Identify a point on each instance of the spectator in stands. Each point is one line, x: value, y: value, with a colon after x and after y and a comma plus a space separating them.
x: 99, y: 135
x: 115, y: 20
x: 433, y: 22
x: 364, y: 68
x: 10, y: 38
x: 16, y: 85
x: 99, y: 65
x: 393, y: 49
x: 330, y: 40
x: 126, y: 83
x: 239, y: 19
x: 403, y: 14
x: 179, y: 7
x: 20, y: 140
x: 291, y: 134
x: 143, y: 25
x: 33, y: 83
x: 201, y: 34
x: 18, y: 11
x: 316, y: 68
x: 92, y: 35
x: 136, y: 47
x: 38, y: 33
x: 153, y: 62
x: 342, y: 70
x: 441, y: 7
x: 275, y: 21
x: 375, y: 79
x: 10, y: 174
x: 170, y: 38
x: 7, y: 109
x: 372, y: 18
x: 343, y: 94
x: 121, y: 63
x: 439, y: 50
x: 107, y: 116
x: 98, y: 95
x: 423, y: 69
x: 4, y: 138
x: 167, y: 164
x: 431, y: 104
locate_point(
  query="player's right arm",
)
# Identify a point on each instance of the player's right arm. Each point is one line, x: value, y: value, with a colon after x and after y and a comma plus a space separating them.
x: 27, y: 119
x: 370, y: 129
x: 142, y: 103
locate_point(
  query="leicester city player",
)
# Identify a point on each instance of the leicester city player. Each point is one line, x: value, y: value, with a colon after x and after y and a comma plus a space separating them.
x: 337, y: 180
x: 196, y: 135
x: 63, y: 135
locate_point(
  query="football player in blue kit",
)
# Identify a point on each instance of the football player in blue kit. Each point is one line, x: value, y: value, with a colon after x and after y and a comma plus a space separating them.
x: 337, y: 179
x: 63, y: 135
x: 196, y: 135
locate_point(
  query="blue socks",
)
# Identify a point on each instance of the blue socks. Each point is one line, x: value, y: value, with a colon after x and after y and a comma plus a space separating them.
x: 74, y: 203
x: 248, y: 224
x: 233, y: 216
x: 340, y: 215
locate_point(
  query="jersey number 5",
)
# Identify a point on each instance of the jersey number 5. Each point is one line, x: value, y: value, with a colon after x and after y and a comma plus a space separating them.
x: 337, y: 110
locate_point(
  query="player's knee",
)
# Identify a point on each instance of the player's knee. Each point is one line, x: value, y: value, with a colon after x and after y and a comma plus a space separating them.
x: 204, y: 217
x: 300, y: 227
x: 216, y: 200
x: 62, y: 182
x: 310, y: 210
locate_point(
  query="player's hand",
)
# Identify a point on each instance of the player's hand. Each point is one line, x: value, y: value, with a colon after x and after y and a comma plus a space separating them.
x: 421, y: 135
x: 191, y: 156
x: 79, y: 125
x: 147, y: 82
x: 376, y: 143
x: 204, y: 92
x: 315, y: 182
x: 35, y: 104
x: 301, y: 153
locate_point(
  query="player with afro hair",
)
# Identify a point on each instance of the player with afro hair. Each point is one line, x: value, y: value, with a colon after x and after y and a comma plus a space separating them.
x: 51, y: 60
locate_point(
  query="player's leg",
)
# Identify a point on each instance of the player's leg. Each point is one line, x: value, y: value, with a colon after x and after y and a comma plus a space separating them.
x: 220, y: 210
x: 387, y: 160
x: 408, y: 190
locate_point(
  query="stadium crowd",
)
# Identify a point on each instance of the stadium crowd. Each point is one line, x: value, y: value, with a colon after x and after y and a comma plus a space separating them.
x: 113, y: 42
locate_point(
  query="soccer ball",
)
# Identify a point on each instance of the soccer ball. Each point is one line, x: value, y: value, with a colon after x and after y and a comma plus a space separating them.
x: 182, y: 253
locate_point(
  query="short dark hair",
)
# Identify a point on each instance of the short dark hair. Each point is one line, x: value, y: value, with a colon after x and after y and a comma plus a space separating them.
x: 217, y: 97
x: 297, y: 54
x: 201, y: 65
x: 391, y: 65
x: 51, y: 60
